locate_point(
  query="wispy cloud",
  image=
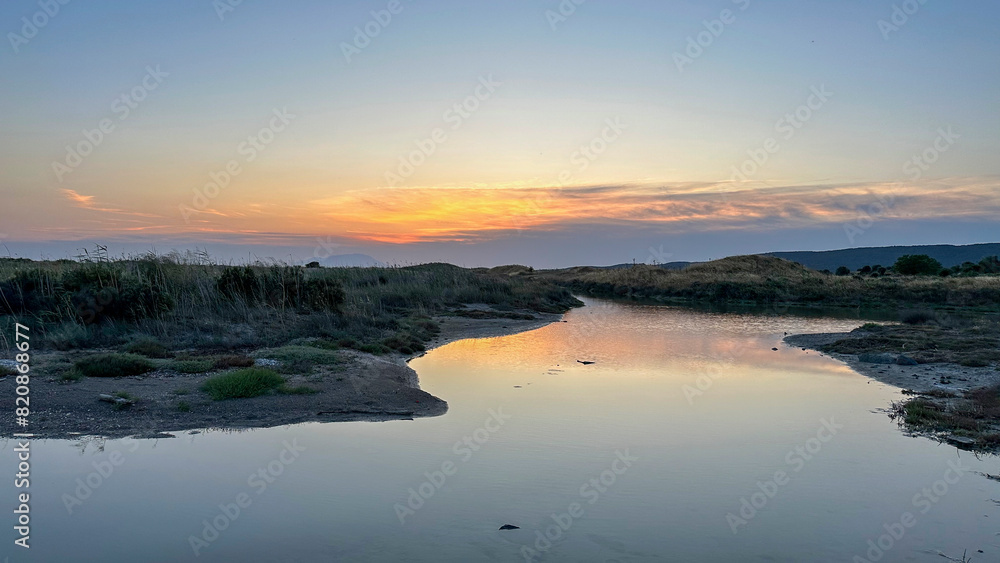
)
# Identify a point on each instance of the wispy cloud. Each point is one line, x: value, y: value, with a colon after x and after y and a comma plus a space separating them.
x: 88, y: 202
x: 408, y: 215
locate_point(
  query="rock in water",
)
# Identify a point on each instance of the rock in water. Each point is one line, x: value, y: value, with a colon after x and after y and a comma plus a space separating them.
x: 510, y: 527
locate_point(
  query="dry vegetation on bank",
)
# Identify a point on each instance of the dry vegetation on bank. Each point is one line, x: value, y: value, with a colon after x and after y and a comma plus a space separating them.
x: 765, y: 279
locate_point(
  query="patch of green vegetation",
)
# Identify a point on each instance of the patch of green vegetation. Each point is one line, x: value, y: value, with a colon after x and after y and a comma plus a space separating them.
x: 917, y: 265
x: 192, y: 366
x: 377, y: 349
x: 7, y: 370
x: 921, y: 412
x: 70, y: 375
x: 183, y: 406
x: 114, y: 365
x: 182, y: 391
x: 242, y: 384
x: 300, y: 359
x: 298, y: 390
x: 870, y: 326
x: 148, y: 348
x: 968, y: 342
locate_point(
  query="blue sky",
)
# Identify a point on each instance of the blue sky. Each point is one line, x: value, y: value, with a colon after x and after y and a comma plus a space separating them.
x: 517, y: 155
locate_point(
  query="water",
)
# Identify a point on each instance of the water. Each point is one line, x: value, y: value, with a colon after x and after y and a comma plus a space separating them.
x: 697, y: 403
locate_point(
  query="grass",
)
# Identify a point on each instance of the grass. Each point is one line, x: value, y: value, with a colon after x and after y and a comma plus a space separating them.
x: 973, y: 342
x: 148, y: 348
x: 242, y: 384
x: 185, y: 301
x: 113, y: 365
x: 192, y: 366
x: 183, y: 406
x: 71, y: 375
x: 7, y: 370
x: 300, y: 359
x: 766, y: 279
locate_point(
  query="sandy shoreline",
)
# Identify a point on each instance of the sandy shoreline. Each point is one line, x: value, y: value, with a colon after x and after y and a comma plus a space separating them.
x: 364, y: 387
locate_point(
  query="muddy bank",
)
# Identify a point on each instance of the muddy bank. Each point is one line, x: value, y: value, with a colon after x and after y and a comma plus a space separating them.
x: 945, y: 400
x: 359, y: 387
x: 921, y: 378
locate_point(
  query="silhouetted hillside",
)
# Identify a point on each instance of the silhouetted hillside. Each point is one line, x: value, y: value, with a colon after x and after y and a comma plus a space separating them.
x: 854, y: 258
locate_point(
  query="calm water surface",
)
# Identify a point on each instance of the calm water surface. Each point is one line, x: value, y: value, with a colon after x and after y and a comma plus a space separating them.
x: 697, y: 408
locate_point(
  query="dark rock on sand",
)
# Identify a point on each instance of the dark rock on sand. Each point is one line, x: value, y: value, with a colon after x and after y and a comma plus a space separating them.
x: 876, y: 358
x: 510, y: 527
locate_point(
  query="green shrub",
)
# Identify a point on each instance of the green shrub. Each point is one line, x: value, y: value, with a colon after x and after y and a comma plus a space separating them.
x: 301, y: 355
x: 183, y: 406
x: 242, y: 384
x: 71, y: 375
x: 113, y: 365
x: 917, y: 265
x: 148, y: 348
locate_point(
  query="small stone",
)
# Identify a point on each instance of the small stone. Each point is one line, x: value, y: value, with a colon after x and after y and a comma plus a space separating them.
x: 510, y: 527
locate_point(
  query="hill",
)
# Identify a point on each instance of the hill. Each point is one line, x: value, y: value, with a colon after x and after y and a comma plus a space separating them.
x: 854, y: 258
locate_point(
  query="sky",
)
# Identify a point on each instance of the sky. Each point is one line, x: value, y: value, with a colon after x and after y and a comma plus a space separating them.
x: 548, y: 133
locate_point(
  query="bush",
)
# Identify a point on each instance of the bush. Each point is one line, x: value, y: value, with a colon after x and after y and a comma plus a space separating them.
x: 843, y: 271
x: 917, y: 265
x: 114, y: 365
x: 148, y: 348
x: 242, y: 384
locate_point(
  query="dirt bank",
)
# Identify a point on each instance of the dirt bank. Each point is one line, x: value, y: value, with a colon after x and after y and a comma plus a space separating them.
x: 359, y: 386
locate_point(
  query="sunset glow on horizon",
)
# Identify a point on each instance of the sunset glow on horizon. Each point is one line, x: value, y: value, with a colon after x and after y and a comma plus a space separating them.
x: 458, y: 129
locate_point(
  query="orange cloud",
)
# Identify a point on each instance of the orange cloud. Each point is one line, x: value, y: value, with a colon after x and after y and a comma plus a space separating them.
x: 408, y: 215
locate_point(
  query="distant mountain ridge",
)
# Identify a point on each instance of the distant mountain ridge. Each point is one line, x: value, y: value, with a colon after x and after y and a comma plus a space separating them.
x: 854, y: 258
